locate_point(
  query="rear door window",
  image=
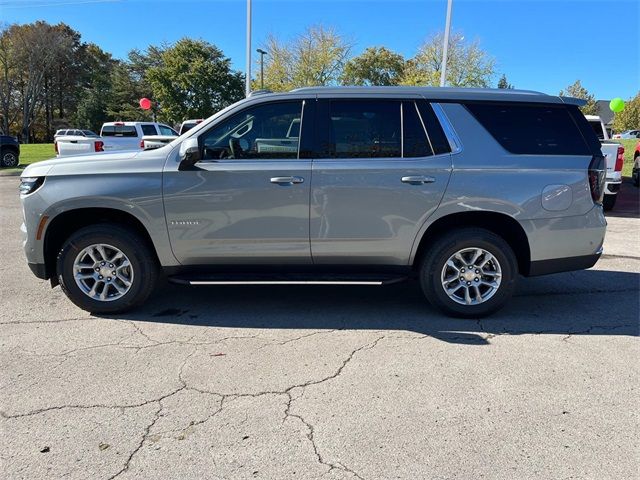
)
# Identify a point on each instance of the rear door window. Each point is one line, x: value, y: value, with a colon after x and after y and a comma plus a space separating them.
x: 415, y: 140
x: 149, y: 130
x: 164, y: 130
x: 363, y: 129
x: 532, y: 129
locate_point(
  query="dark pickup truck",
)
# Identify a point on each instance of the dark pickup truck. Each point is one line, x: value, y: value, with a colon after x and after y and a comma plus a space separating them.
x: 9, y: 151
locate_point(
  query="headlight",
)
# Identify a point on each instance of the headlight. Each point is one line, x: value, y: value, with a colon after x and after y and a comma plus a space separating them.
x: 30, y: 184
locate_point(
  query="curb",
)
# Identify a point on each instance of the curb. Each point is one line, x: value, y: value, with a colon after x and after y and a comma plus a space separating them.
x: 10, y: 174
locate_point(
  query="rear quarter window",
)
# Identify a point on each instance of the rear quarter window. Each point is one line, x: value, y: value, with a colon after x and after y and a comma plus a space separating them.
x: 532, y: 129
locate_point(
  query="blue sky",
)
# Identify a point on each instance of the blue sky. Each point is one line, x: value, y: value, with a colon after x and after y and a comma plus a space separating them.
x: 539, y: 44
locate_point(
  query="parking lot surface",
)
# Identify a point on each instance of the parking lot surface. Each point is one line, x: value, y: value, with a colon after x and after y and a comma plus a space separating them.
x: 324, y: 382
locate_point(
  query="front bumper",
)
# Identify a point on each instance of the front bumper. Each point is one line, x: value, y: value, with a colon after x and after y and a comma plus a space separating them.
x: 39, y: 270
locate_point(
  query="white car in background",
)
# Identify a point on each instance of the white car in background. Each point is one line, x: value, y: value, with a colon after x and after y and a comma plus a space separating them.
x: 189, y: 124
x: 128, y: 135
x: 627, y: 134
x: 74, y: 132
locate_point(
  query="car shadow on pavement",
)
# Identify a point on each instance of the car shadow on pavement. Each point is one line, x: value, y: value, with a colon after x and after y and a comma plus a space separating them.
x: 591, y: 302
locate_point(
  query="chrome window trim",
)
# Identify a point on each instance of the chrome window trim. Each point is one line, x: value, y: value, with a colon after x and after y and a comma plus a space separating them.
x: 449, y: 132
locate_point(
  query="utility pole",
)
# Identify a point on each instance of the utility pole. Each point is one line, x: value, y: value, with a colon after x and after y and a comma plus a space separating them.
x: 247, y: 80
x: 445, y: 46
x: 262, y: 54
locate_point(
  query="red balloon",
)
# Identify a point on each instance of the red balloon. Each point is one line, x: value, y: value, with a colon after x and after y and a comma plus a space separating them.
x: 145, y: 103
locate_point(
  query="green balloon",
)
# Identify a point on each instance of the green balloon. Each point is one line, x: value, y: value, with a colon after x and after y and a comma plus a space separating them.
x: 616, y: 105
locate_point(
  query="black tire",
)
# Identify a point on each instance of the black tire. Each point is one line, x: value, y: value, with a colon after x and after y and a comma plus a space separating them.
x: 9, y: 158
x: 447, y: 245
x: 635, y: 174
x: 143, y: 264
x: 608, y: 202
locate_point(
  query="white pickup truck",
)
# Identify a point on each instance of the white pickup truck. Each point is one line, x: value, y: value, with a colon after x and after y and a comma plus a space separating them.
x: 614, y: 156
x: 115, y: 136
x: 129, y: 135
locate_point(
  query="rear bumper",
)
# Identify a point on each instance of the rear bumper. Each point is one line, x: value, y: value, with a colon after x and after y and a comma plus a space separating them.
x: 557, y: 265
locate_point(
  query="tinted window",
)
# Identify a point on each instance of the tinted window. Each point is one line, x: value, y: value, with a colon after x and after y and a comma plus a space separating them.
x: 597, y: 129
x: 531, y: 129
x: 164, y: 130
x: 270, y: 130
x: 148, y: 130
x: 119, y: 131
x: 186, y: 127
x: 438, y: 139
x: 364, y: 129
x: 416, y: 143
x: 89, y: 133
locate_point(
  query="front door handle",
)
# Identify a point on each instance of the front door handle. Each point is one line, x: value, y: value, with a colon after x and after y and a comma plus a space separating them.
x: 418, y: 180
x: 286, y: 180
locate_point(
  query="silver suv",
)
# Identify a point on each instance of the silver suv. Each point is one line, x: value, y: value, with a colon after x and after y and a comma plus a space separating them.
x: 462, y: 189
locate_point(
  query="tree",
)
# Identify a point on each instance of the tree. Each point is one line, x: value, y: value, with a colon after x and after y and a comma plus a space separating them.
x: 503, y: 83
x: 375, y: 66
x: 96, y: 89
x: 125, y: 93
x: 468, y: 65
x: 576, y: 90
x: 193, y: 79
x: 628, y: 118
x: 317, y: 57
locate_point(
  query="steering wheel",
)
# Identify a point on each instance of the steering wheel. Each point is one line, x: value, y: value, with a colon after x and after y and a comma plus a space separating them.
x: 235, y: 147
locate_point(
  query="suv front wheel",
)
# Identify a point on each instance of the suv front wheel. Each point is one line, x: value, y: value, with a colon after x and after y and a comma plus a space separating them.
x: 106, y: 269
x: 469, y: 273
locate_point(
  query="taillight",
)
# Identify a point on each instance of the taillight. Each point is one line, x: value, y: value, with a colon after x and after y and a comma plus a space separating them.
x: 99, y: 146
x: 620, y: 159
x: 142, y: 144
x: 597, y: 172
x: 55, y: 146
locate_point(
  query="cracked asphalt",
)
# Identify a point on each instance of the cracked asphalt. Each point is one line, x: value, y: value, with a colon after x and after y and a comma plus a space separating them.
x: 324, y: 382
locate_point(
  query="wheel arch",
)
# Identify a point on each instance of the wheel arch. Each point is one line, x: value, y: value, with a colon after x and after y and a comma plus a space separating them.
x: 501, y: 224
x: 66, y: 223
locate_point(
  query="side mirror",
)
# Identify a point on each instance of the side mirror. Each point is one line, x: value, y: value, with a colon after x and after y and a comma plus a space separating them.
x: 189, y: 153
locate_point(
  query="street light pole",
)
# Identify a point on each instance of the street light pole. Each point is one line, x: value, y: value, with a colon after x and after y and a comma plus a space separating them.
x: 247, y: 80
x: 445, y: 46
x: 262, y: 54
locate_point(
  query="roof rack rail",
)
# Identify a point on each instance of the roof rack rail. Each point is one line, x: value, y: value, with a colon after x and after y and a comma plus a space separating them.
x: 253, y: 93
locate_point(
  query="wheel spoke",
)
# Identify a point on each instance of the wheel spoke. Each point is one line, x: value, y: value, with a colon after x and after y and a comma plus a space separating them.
x: 476, y: 255
x: 478, y: 294
x: 467, y: 297
x: 103, y: 254
x: 117, y: 256
x: 105, y: 291
x: 84, y: 276
x: 452, y: 264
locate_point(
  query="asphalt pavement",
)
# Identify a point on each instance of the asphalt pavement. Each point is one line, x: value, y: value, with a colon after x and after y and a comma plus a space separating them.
x: 324, y: 382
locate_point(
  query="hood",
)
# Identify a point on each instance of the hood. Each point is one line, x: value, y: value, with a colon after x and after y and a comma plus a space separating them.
x: 85, y: 164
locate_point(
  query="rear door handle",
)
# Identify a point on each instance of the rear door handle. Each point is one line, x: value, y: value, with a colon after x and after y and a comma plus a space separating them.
x: 418, y: 180
x: 286, y: 180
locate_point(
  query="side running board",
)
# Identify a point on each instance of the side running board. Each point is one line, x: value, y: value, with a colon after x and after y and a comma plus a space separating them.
x: 286, y: 279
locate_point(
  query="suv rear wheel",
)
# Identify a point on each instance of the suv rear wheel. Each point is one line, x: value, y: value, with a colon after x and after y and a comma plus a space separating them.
x: 469, y: 273
x: 106, y: 269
